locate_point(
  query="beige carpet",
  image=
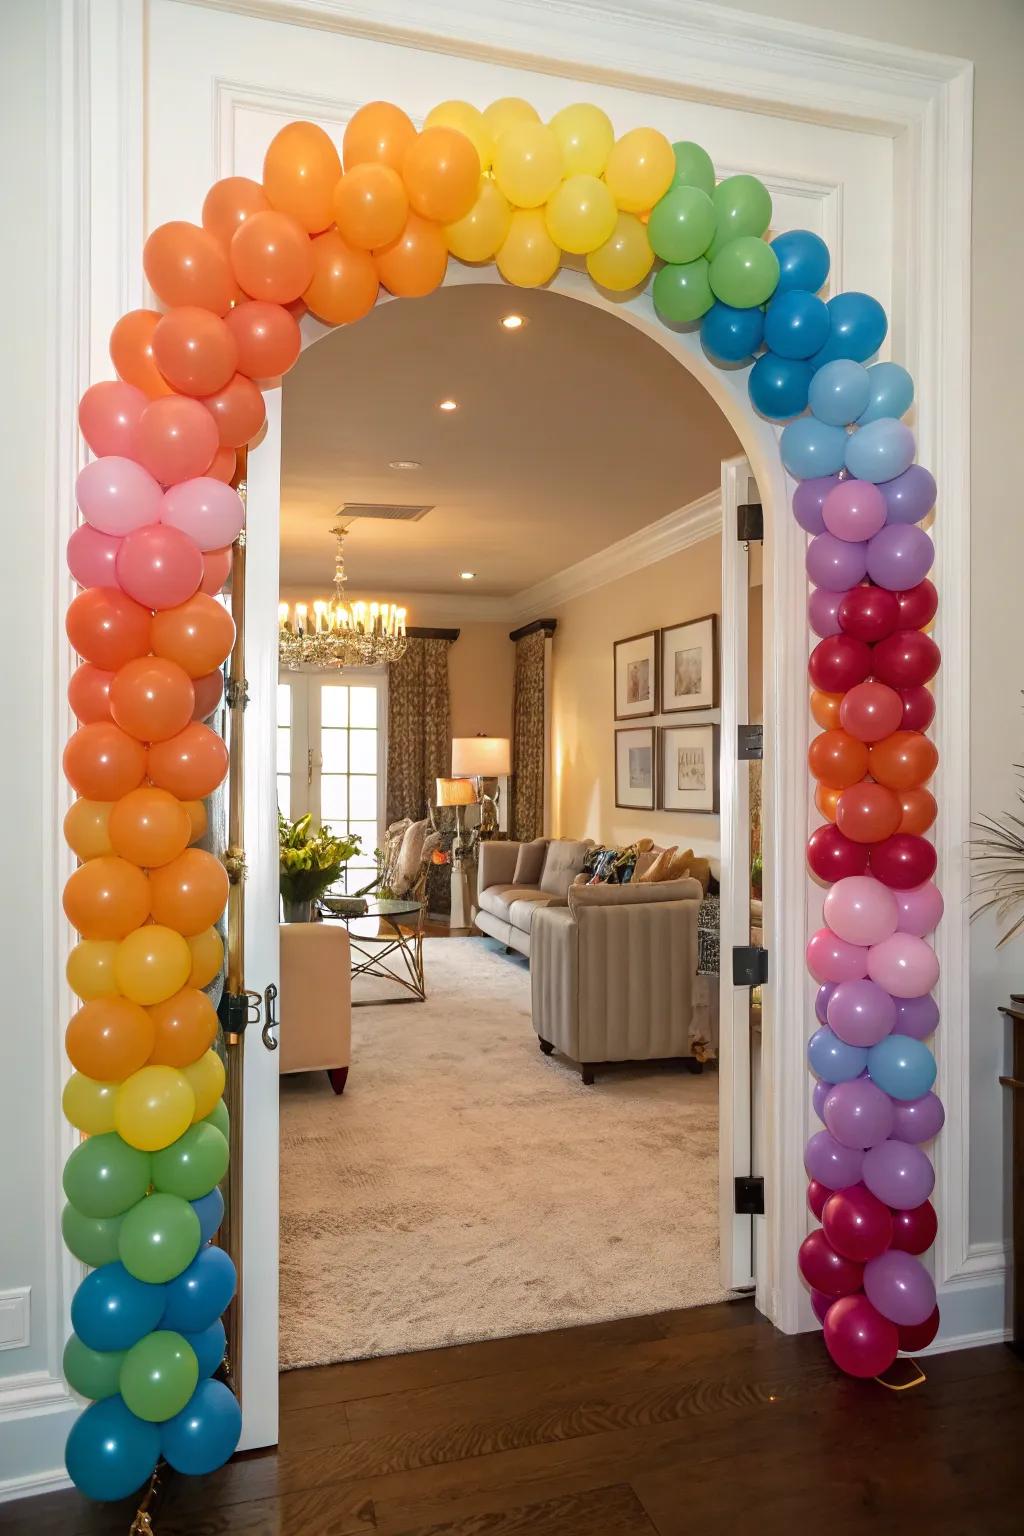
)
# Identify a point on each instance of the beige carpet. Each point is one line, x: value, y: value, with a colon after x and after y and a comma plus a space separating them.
x: 467, y: 1187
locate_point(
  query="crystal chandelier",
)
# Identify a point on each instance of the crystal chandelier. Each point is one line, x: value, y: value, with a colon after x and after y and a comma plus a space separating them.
x: 339, y: 633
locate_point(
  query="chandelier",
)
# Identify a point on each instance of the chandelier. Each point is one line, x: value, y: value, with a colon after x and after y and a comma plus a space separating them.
x: 338, y: 633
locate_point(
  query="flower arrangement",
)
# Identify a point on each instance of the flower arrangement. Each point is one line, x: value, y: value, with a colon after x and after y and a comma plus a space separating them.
x: 310, y: 862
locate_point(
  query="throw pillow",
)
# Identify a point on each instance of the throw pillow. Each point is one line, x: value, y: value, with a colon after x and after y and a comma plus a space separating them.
x: 562, y: 862
x: 661, y: 866
x: 680, y: 864
x: 530, y: 862
x: 700, y: 869
x: 410, y: 856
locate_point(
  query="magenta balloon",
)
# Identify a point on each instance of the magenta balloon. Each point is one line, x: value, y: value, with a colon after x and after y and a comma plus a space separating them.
x: 861, y: 1012
x: 916, y: 1016
x: 823, y: 611
x: 158, y: 566
x: 808, y: 499
x: 834, y: 563
x: 915, y: 1230
x: 108, y: 414
x: 860, y: 1340
x: 116, y: 495
x: 821, y: 1001
x: 210, y: 512
x: 818, y: 1097
x: 861, y: 910
x: 854, y: 510
x: 918, y: 1120
x: 832, y: 1164
x: 898, y: 1173
x: 817, y: 1194
x: 909, y: 496
x: 899, y: 556
x: 898, y: 1285
x: 904, y: 965
x: 820, y: 1303
x: 857, y: 1224
x: 825, y: 1270
x: 920, y: 909
x: 91, y: 557
x: 858, y: 1113
x: 830, y: 958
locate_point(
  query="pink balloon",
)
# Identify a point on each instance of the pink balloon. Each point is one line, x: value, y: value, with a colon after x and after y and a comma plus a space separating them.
x: 158, y: 566
x: 904, y: 965
x: 209, y: 511
x: 209, y: 690
x: 108, y: 414
x: 854, y: 510
x: 216, y: 570
x: 830, y: 958
x: 920, y: 909
x: 861, y: 910
x: 116, y: 495
x: 91, y: 557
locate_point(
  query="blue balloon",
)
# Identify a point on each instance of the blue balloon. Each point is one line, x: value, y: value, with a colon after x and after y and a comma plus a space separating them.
x: 209, y: 1347
x: 803, y: 260
x: 810, y: 448
x: 205, y: 1433
x: 880, y: 451
x: 796, y: 324
x: 839, y: 392
x: 891, y: 392
x: 210, y: 1210
x: 857, y: 328
x: 731, y: 335
x: 902, y: 1066
x: 832, y: 1059
x: 113, y: 1310
x: 778, y: 386
x: 197, y: 1297
x: 110, y: 1452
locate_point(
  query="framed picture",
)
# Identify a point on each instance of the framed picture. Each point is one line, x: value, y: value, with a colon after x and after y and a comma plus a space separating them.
x: 688, y: 771
x: 636, y: 676
x: 689, y: 665
x: 634, y: 769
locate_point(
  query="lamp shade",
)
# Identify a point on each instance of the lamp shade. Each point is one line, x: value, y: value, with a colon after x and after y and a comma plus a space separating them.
x: 455, y: 792
x: 481, y: 757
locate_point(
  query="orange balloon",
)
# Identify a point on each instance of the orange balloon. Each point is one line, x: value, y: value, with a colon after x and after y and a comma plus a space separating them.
x: 109, y: 1039
x: 131, y: 352
x: 267, y: 338
x: 415, y: 263
x: 344, y: 285
x: 149, y: 827
x: 90, y: 969
x: 194, y: 350
x: 191, y: 764
x: 186, y: 1027
x: 189, y: 893
x: 271, y: 257
x: 185, y: 264
x: 837, y: 759
x: 106, y: 898
x: 107, y: 627
x: 239, y: 411
x: 198, y: 819
x: 867, y: 813
x: 152, y: 698
x: 89, y: 693
x: 300, y: 171
x: 441, y: 171
x: 198, y: 634
x: 86, y: 828
x: 229, y: 203
x: 918, y: 810
x: 216, y: 570
x: 207, y: 951
x: 904, y: 760
x: 209, y: 692
x: 102, y: 762
x: 379, y: 131
x: 825, y: 708
x: 225, y: 463
x: 370, y: 205
x: 827, y: 800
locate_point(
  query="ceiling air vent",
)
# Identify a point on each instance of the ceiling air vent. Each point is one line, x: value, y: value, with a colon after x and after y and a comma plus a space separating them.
x: 391, y: 512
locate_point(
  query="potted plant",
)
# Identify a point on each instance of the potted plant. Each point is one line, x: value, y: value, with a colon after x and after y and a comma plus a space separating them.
x: 310, y: 862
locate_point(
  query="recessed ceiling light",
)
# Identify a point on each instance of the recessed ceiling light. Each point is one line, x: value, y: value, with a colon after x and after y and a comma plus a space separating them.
x: 448, y: 405
x: 405, y: 464
x: 468, y: 575
x: 513, y: 322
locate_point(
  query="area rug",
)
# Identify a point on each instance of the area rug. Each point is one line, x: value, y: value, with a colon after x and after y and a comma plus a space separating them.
x: 467, y: 1187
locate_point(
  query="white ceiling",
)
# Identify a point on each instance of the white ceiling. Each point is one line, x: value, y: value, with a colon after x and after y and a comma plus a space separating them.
x: 570, y: 434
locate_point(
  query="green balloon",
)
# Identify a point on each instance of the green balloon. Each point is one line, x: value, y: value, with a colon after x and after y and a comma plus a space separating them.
x: 159, y: 1238
x: 683, y: 293
x: 693, y: 167
x: 681, y: 225
x: 192, y: 1165
x: 93, y: 1239
x: 105, y: 1176
x: 743, y: 206
x: 219, y: 1117
x: 95, y: 1373
x: 745, y: 273
x: 158, y: 1376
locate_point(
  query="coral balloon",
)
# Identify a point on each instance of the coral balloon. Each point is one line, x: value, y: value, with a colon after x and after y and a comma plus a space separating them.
x: 185, y: 1026
x: 379, y: 132
x: 205, y: 510
x: 86, y: 829
x: 860, y: 1341
x: 918, y: 810
x: 238, y: 410
x: 90, y: 969
x: 839, y: 663
x: 871, y: 711
x: 903, y: 861
x: 857, y: 1224
x: 272, y: 257
x: 149, y: 827
x: 625, y: 259
x: 344, y: 283
x: 529, y: 257
x: 832, y: 856
x: 152, y: 964
x: 267, y: 340
x: 229, y: 203
x: 191, y: 764
x: 480, y: 233
x: 216, y: 570
x: 225, y: 464
x: 190, y: 893
x: 825, y: 709
x: 209, y: 691
x: 158, y: 566
x: 106, y: 899
x: 116, y: 495
x: 102, y: 762
x: 207, y: 951
x: 867, y: 813
x: 528, y: 164
x: 194, y: 350
x: 109, y: 1039
x: 915, y: 1230
x: 89, y: 693
x: 466, y: 119
x: 904, y: 760
x: 641, y: 167
x: 837, y: 759
x: 184, y: 264
x: 441, y: 171
x: 151, y: 698
x: 206, y: 1078
x: 415, y: 263
x: 175, y: 438
x: 154, y: 1107
x: 131, y: 352
x: 827, y: 1270
x: 869, y: 613
x: 300, y: 171
x: 91, y: 556
x: 108, y: 415
x: 918, y: 708
x: 198, y: 635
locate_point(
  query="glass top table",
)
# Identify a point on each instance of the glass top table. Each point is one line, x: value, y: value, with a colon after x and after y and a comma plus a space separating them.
x: 387, y: 943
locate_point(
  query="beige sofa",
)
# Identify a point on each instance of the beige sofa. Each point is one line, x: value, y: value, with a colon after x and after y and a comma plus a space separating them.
x: 315, y: 1005
x: 516, y: 880
x: 613, y: 973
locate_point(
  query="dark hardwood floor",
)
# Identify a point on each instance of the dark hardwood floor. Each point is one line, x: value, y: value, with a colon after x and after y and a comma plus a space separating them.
x: 706, y: 1422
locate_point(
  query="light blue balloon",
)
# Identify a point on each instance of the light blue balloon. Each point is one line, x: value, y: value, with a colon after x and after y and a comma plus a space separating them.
x: 110, y: 1452
x: 892, y: 392
x: 902, y: 1066
x: 880, y: 451
x: 810, y: 448
x: 839, y: 392
x: 832, y: 1059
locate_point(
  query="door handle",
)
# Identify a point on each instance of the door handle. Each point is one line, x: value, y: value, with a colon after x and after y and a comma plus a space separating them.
x: 270, y: 1019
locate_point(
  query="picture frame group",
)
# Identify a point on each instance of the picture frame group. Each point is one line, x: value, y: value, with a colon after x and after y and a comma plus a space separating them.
x: 667, y: 671
x: 667, y: 768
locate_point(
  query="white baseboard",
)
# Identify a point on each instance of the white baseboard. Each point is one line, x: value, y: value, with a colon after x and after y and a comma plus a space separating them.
x: 32, y: 1483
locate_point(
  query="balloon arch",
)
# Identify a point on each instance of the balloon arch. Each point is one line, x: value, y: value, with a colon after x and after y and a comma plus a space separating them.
x: 160, y: 515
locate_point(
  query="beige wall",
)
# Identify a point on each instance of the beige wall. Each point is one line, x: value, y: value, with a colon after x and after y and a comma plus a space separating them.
x: 480, y: 668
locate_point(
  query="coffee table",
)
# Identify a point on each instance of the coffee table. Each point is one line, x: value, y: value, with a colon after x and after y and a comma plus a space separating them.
x: 400, y: 942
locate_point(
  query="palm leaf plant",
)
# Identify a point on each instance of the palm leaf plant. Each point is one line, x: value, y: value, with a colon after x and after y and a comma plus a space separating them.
x: 998, y: 856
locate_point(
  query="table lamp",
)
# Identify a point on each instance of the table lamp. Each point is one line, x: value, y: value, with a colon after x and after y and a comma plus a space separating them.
x: 459, y: 793
x: 479, y: 758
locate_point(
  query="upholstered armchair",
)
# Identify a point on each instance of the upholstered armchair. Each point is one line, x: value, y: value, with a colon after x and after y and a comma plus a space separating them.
x: 315, y: 1004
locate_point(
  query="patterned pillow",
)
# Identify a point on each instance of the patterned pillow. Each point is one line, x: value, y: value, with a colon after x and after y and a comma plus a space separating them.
x: 612, y: 866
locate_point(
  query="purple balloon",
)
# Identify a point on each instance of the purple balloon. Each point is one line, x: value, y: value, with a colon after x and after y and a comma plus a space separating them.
x: 920, y: 909
x: 898, y: 1173
x: 836, y: 1166
x: 898, y: 1285
x: 898, y: 557
x: 807, y: 502
x: 858, y: 1113
x: 861, y: 1012
x: 916, y: 1016
x: 909, y: 496
x: 821, y: 1001
x: 918, y: 1120
x: 838, y: 564
x: 823, y: 611
x: 818, y: 1097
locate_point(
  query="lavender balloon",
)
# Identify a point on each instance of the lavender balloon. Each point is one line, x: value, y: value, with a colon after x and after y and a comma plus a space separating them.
x: 861, y: 1012
x: 836, y: 563
x: 855, y: 509
x: 899, y: 1286
x: 858, y: 1113
x: 881, y: 450
x: 918, y: 1120
x: 909, y: 496
x: 898, y: 557
x: 818, y: 1097
x: 916, y: 1016
x: 823, y: 611
x: 821, y: 1001
x: 898, y: 1173
x: 808, y: 499
x: 836, y: 1166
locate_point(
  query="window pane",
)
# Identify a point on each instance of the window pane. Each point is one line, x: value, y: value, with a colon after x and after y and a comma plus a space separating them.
x: 362, y: 797
x: 333, y: 751
x: 362, y: 751
x: 284, y: 795
x: 334, y: 797
x: 284, y: 749
x: 284, y: 704
x: 363, y: 706
x: 367, y: 830
x: 333, y: 704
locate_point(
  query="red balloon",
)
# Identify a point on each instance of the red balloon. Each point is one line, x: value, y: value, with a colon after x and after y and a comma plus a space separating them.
x: 89, y: 693
x: 918, y: 708
x: 903, y: 861
x: 817, y: 1194
x: 832, y: 856
x: 906, y: 659
x: 871, y: 711
x: 918, y: 605
x: 869, y: 613
x: 857, y: 1224
x: 837, y: 759
x: 868, y: 813
x: 107, y: 628
x: 914, y: 1231
x: 825, y: 1269
x: 838, y: 663
x: 860, y: 1340
x: 915, y: 1336
x: 176, y: 439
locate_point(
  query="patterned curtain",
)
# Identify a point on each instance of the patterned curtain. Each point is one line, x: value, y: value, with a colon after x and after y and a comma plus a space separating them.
x: 528, y: 738
x: 419, y: 743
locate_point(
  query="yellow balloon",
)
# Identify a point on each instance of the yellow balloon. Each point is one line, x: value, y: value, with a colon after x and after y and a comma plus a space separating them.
x: 89, y: 1105
x: 625, y: 259
x: 640, y: 169
x: 479, y: 234
x: 586, y: 136
x: 198, y: 817
x: 85, y: 828
x: 529, y: 256
x: 207, y: 953
x: 468, y: 120
x: 90, y: 969
x: 206, y: 1078
x: 152, y: 963
x: 507, y: 113
x: 581, y: 215
x: 528, y: 164
x: 154, y: 1107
